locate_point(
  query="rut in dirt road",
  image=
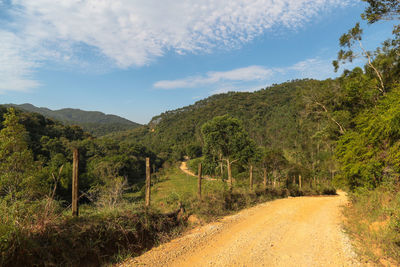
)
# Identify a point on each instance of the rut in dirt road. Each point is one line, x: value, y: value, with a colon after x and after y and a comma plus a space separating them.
x: 304, y: 231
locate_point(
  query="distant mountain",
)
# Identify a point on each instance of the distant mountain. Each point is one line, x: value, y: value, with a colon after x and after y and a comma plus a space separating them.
x: 95, y: 122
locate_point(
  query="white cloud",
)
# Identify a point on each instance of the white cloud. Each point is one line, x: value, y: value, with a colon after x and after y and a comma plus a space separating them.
x: 15, y: 65
x: 251, y: 73
x: 315, y: 68
x: 135, y: 32
x: 256, y: 77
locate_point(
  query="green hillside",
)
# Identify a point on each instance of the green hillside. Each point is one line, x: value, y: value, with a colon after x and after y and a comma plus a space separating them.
x: 271, y: 116
x: 95, y: 122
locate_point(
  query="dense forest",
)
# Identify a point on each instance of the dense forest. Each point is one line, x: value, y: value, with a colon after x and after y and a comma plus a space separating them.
x: 282, y: 118
x: 94, y: 122
x: 46, y: 147
x: 343, y: 131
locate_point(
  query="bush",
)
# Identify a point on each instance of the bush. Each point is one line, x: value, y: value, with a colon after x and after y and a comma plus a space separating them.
x: 219, y: 202
x: 84, y: 241
x: 374, y: 217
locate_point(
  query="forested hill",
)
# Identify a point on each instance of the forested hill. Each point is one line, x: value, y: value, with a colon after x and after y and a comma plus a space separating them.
x: 95, y: 122
x: 278, y: 117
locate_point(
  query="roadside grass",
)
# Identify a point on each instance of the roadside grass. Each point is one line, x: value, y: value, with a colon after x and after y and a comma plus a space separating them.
x: 95, y: 238
x: 176, y: 187
x: 100, y: 236
x: 373, y: 221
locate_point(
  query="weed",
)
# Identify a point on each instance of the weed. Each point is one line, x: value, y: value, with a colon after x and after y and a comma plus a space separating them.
x: 373, y: 218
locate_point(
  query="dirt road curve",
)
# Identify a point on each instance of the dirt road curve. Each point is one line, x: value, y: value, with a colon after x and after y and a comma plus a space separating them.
x: 186, y: 170
x: 301, y: 231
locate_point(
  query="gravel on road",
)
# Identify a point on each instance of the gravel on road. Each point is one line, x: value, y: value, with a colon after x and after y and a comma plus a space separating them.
x: 303, y: 231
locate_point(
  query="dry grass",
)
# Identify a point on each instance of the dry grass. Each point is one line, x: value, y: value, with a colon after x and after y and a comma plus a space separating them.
x: 373, y: 220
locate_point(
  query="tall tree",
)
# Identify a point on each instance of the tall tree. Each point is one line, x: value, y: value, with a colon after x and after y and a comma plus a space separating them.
x: 16, y: 160
x: 349, y: 53
x: 225, y: 137
x: 273, y: 161
x: 381, y: 10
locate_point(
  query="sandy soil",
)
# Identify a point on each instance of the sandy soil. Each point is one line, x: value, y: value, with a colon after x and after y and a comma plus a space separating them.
x: 304, y: 231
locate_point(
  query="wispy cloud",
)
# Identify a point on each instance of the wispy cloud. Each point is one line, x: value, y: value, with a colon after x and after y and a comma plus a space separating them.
x: 254, y: 77
x: 16, y: 66
x: 252, y: 73
x: 135, y: 32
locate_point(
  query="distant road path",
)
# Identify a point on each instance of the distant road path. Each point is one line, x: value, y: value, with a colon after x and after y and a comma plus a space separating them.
x: 303, y: 231
x: 186, y: 170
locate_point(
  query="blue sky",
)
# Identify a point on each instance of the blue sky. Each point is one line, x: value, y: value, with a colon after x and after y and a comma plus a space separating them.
x: 137, y: 58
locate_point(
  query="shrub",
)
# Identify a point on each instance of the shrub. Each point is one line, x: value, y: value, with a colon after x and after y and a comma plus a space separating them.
x: 374, y: 216
x: 84, y: 241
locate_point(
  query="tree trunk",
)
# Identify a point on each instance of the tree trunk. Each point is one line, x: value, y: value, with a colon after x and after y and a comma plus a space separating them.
x: 221, y: 167
x: 313, y: 167
x: 199, y: 182
x: 274, y: 174
x: 251, y: 177
x: 300, y: 181
x: 265, y: 177
x: 228, y: 163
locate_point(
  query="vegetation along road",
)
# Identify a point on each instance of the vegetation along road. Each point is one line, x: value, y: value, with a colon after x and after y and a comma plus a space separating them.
x: 304, y: 231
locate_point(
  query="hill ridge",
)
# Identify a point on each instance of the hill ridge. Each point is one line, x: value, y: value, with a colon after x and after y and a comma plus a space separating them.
x: 95, y: 122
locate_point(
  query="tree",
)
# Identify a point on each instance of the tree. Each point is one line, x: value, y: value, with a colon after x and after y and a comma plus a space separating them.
x: 347, y: 42
x: 225, y: 137
x: 381, y: 10
x: 16, y: 160
x: 369, y: 153
x: 272, y: 160
x: 376, y: 11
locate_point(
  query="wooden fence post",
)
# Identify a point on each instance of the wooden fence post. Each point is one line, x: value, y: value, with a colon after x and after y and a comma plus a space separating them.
x: 300, y: 181
x: 148, y: 182
x: 251, y: 177
x: 75, y: 183
x: 199, y: 173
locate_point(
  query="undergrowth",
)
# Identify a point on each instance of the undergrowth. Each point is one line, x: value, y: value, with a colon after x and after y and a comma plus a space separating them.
x: 373, y: 219
x: 86, y: 241
x: 39, y: 234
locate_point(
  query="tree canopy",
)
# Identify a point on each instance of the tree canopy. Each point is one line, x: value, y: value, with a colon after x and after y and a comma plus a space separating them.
x: 226, y: 139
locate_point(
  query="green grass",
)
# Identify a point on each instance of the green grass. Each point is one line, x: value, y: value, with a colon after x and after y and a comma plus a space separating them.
x: 104, y: 235
x: 176, y: 187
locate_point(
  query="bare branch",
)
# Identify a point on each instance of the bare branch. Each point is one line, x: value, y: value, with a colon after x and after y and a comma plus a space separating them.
x: 342, y: 130
x: 382, y: 89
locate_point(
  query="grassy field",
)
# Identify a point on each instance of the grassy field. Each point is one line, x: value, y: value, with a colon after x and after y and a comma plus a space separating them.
x: 176, y: 186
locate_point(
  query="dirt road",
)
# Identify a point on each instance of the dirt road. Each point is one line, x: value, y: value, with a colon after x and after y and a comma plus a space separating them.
x: 186, y: 170
x: 301, y: 231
